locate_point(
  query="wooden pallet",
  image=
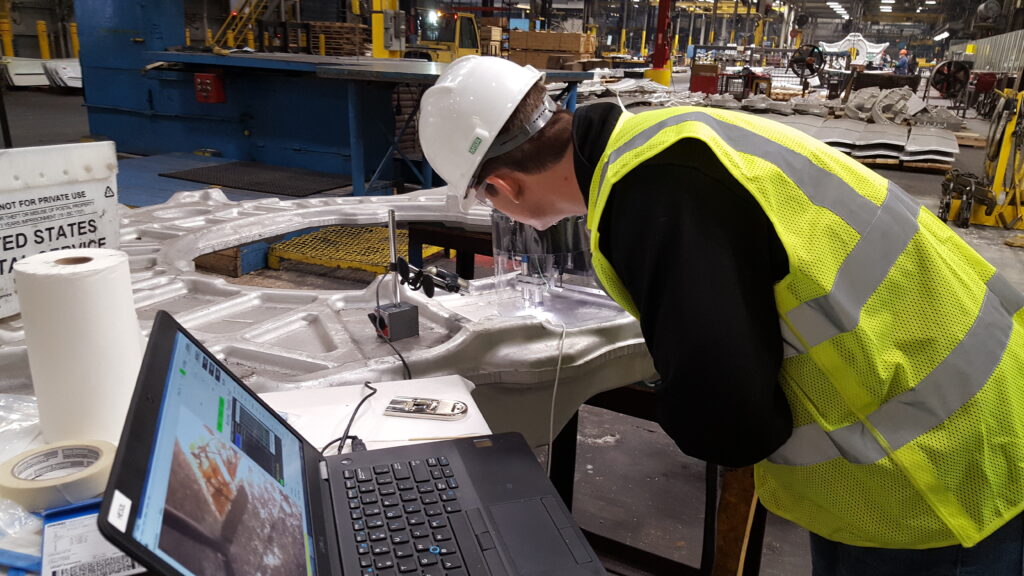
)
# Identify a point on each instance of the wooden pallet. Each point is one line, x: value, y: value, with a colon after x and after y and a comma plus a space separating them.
x: 933, y: 167
x: 897, y: 164
x: 886, y: 162
x: 970, y: 139
x: 340, y: 38
x: 403, y: 101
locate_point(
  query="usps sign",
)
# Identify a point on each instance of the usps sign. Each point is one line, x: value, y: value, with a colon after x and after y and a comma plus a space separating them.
x: 54, y: 198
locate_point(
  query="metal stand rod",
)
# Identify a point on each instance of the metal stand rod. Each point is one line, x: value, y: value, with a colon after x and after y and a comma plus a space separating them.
x: 563, y: 460
x: 5, y: 126
x: 393, y: 246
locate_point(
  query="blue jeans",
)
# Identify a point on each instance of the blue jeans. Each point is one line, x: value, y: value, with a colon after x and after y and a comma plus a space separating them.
x: 1001, y: 554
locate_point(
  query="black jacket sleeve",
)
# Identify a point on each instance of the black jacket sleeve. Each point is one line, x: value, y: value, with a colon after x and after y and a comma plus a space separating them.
x: 700, y: 259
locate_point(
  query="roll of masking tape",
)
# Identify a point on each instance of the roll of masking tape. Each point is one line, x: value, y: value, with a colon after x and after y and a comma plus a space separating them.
x: 57, y: 474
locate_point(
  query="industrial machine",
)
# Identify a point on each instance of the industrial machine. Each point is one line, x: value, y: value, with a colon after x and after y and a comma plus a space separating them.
x: 445, y: 36
x: 951, y: 77
x: 807, y: 62
x: 995, y: 198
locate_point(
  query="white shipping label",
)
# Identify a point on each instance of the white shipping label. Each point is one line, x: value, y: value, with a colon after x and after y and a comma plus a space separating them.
x: 36, y: 220
x: 75, y: 547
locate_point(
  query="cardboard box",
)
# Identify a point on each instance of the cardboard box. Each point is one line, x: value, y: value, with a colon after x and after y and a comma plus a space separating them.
x: 518, y: 56
x: 541, y: 59
x: 492, y: 21
x: 490, y: 48
x: 490, y: 33
x: 518, y: 39
x: 586, y: 65
x: 547, y: 41
x: 572, y: 42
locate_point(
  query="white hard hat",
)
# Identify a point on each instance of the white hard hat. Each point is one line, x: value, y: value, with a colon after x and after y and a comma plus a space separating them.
x: 461, y: 115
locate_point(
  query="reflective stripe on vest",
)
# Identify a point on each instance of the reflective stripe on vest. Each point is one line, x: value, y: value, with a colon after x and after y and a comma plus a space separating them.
x: 941, y: 393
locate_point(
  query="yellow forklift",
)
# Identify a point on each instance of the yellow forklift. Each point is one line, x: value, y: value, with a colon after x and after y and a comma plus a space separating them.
x: 994, y: 199
x: 445, y: 36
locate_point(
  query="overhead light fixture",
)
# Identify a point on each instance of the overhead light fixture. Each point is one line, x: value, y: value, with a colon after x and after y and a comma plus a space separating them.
x: 941, y: 37
x: 929, y: 2
x: 885, y: 9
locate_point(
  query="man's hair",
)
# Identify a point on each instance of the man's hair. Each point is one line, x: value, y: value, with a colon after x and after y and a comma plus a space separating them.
x: 542, y: 150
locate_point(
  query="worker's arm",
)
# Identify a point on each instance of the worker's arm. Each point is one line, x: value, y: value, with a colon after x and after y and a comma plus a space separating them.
x: 700, y: 259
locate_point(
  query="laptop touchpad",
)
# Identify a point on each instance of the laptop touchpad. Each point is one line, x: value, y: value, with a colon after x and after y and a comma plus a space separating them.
x: 536, y: 542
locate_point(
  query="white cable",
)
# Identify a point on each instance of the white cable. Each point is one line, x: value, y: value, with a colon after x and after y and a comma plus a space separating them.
x: 554, y: 394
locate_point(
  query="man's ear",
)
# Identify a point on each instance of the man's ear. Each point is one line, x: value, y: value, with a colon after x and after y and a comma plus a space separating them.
x: 507, y: 184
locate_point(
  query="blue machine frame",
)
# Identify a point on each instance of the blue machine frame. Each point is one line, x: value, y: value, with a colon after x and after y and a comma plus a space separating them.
x: 326, y: 114
x: 277, y: 112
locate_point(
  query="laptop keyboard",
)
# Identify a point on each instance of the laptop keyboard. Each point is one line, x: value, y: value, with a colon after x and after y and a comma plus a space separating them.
x: 404, y: 516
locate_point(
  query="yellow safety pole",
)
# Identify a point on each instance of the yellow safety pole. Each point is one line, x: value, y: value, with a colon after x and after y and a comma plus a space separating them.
x: 188, y: 36
x: 675, y: 44
x: 7, y: 36
x: 622, y: 42
x: 377, y: 28
x: 6, y: 31
x: 231, y: 39
x: 643, y: 43
x: 323, y: 48
x: 266, y: 40
x: 44, y: 39
x: 209, y: 37
x: 75, y: 46
x: 250, y: 40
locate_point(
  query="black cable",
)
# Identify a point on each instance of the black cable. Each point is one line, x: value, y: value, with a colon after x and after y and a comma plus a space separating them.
x: 345, y: 437
x: 376, y: 326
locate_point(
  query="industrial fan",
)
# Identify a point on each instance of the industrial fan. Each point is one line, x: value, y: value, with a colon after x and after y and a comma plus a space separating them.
x: 988, y: 12
x: 951, y: 77
x: 806, y: 62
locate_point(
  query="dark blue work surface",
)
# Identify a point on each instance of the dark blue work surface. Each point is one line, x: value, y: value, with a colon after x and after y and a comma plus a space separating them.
x: 340, y: 67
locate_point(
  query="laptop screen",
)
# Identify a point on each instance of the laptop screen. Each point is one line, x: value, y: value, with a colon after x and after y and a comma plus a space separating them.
x: 224, y: 492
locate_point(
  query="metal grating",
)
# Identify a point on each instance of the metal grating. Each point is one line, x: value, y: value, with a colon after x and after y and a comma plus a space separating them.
x: 349, y: 247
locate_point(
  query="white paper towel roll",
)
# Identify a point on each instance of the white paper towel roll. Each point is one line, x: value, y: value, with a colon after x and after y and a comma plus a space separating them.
x: 84, y: 343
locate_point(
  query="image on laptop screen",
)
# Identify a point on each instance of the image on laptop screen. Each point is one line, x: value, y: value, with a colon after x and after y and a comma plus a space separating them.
x: 224, y: 492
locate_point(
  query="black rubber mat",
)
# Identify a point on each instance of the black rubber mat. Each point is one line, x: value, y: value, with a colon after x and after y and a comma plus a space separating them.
x: 263, y: 178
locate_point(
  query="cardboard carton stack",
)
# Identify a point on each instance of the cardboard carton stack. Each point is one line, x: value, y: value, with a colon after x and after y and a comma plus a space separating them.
x: 550, y: 50
x: 490, y: 40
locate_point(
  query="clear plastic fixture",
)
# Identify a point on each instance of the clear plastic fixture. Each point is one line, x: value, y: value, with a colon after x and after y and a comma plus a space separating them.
x: 538, y: 263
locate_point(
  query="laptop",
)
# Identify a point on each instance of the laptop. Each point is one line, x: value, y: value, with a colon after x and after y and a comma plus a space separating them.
x: 209, y: 480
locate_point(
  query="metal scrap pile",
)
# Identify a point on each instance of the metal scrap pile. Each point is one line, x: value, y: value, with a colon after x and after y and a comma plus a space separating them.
x: 898, y: 106
x: 880, y: 126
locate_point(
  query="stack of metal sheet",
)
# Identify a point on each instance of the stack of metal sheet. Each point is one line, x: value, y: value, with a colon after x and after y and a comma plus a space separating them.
x: 887, y: 143
x: 840, y: 133
x: 63, y: 73
x: 880, y: 141
x: 930, y: 145
x: 23, y: 72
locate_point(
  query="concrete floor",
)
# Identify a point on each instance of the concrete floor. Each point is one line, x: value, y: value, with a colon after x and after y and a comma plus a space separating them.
x: 633, y: 484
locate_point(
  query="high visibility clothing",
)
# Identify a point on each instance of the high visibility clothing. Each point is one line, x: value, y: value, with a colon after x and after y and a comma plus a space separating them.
x: 904, y: 349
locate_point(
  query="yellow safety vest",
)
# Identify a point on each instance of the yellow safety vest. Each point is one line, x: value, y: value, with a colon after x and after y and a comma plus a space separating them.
x: 904, y: 362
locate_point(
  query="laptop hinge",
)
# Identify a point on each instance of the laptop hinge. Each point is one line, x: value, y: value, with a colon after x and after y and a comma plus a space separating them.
x: 323, y: 470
